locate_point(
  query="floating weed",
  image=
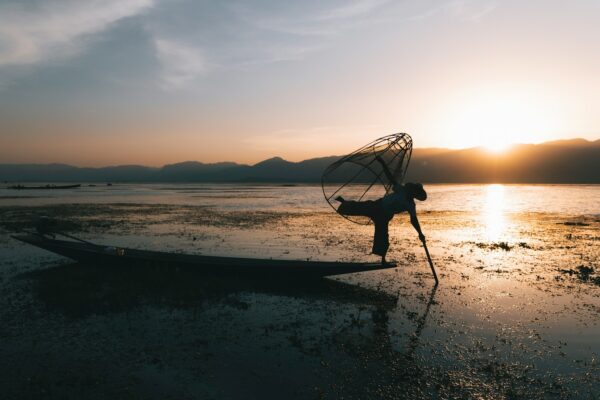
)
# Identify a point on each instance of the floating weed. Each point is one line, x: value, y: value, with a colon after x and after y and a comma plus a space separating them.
x: 583, y: 273
x: 498, y: 245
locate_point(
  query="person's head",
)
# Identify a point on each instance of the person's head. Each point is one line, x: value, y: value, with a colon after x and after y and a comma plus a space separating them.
x: 416, y: 191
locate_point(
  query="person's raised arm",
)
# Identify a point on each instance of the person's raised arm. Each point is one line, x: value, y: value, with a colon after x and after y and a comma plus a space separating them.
x: 386, y: 170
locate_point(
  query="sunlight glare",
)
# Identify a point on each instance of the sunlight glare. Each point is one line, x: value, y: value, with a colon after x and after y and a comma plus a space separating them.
x: 496, y: 146
x: 493, y: 212
x: 495, y: 118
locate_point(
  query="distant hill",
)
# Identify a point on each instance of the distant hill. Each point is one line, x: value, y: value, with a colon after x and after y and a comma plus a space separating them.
x: 573, y: 161
x: 562, y: 161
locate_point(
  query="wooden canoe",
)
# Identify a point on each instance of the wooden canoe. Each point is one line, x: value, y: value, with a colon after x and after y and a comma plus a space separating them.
x: 101, y: 254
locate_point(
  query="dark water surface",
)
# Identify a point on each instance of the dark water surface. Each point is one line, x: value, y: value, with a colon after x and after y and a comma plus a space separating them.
x: 516, y: 315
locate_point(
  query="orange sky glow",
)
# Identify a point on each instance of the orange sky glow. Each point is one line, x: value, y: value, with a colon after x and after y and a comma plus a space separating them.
x: 131, y: 86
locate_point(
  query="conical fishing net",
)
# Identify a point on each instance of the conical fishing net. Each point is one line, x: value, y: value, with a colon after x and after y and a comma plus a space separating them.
x: 359, y: 176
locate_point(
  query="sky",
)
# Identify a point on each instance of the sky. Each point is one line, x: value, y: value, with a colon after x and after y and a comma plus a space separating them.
x: 152, y: 82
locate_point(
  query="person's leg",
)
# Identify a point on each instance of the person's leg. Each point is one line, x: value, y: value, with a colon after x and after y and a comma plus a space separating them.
x: 358, y: 208
x: 381, y: 241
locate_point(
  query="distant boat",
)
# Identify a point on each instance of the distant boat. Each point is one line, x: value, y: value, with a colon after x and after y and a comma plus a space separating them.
x: 21, y: 187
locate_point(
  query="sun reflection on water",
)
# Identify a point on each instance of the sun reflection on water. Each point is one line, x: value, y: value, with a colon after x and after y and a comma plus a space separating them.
x: 493, y: 212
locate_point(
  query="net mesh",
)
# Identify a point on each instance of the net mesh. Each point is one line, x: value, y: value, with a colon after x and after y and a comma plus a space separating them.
x: 359, y: 176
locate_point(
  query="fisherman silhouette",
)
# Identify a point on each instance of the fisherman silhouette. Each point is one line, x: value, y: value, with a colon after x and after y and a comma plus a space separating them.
x: 381, y: 211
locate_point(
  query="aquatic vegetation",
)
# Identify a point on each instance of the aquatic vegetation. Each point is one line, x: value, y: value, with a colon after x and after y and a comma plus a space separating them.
x: 583, y: 273
x: 499, y: 245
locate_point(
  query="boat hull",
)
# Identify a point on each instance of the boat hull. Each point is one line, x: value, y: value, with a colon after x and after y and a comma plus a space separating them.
x: 109, y: 255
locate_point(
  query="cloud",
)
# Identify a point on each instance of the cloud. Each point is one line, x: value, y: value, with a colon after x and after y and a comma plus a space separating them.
x: 191, y: 38
x: 309, y: 21
x: 292, y: 33
x: 185, y: 34
x: 55, y: 29
x: 352, y: 9
x: 467, y: 10
x: 180, y: 63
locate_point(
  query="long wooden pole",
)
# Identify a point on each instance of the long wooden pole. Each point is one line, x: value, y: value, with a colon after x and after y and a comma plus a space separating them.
x: 430, y: 262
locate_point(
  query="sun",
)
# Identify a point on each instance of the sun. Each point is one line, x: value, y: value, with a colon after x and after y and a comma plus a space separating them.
x: 496, y: 145
x: 496, y: 118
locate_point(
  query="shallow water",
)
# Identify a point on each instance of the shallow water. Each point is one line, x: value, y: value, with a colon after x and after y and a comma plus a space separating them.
x: 516, y: 315
x: 562, y: 199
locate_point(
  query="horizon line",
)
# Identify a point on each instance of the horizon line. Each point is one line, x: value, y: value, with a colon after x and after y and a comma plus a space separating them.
x: 508, y: 148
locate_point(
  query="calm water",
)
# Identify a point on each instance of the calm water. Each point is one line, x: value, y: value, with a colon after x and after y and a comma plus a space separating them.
x: 562, y: 199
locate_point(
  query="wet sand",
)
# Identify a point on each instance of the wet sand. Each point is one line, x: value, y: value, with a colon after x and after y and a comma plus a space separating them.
x: 516, y: 315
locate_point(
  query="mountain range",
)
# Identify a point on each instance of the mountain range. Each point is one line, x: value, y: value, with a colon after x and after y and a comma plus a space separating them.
x: 563, y: 161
